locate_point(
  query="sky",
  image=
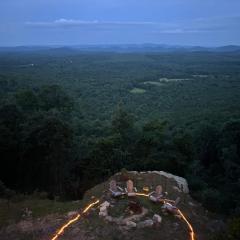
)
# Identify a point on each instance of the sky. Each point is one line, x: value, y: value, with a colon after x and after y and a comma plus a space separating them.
x: 76, y: 22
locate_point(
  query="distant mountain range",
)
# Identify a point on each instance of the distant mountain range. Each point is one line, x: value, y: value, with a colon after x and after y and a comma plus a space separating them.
x: 124, y: 48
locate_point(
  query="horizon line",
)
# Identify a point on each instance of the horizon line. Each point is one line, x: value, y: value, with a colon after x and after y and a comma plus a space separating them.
x: 119, y: 44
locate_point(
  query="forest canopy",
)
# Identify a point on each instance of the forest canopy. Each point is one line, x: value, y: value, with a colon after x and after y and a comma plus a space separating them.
x: 69, y: 121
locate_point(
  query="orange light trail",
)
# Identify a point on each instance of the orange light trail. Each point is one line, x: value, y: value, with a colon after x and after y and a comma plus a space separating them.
x: 61, y: 230
x: 189, y: 225
x: 142, y: 194
x: 88, y: 207
x: 192, y: 234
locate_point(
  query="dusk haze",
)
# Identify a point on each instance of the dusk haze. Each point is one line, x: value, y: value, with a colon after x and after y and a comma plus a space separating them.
x: 119, y: 119
x: 73, y: 22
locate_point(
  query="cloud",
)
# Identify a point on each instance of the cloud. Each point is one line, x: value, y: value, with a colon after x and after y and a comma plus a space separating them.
x: 62, y: 22
x: 96, y: 25
x: 200, y: 25
x: 204, y: 25
x: 70, y: 22
x: 215, y: 24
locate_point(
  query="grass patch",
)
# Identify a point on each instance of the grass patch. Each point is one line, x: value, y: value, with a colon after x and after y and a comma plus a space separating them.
x: 13, y: 212
x: 159, y: 84
x: 200, y: 75
x: 162, y: 80
x: 138, y: 91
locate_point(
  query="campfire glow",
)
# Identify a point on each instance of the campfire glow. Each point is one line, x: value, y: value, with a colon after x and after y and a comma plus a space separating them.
x: 61, y: 230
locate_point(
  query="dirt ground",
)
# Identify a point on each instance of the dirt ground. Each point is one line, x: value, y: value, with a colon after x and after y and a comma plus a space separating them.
x: 93, y: 227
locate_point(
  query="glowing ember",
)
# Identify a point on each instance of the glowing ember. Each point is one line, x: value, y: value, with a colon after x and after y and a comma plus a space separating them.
x: 146, y: 189
x: 142, y: 194
x: 61, y: 230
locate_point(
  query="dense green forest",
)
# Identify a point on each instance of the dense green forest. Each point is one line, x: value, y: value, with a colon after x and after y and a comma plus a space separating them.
x: 70, y: 119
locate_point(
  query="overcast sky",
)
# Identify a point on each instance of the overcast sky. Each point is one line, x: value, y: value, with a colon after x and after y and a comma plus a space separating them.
x: 71, y: 22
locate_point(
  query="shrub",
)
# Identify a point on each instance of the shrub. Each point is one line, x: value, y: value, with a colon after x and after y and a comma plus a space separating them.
x: 212, y: 199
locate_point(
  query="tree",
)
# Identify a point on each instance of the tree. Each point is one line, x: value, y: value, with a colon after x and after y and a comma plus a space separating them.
x: 10, y: 121
x: 229, y: 146
x: 27, y: 100
x: 122, y: 122
x: 54, y: 96
x: 46, y: 157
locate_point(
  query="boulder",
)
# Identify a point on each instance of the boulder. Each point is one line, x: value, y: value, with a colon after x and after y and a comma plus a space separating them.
x: 105, y: 204
x: 180, y: 181
x: 72, y: 213
x: 103, y: 214
x: 109, y: 218
x: 131, y: 224
x: 103, y: 209
x: 146, y: 223
x: 157, y: 218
